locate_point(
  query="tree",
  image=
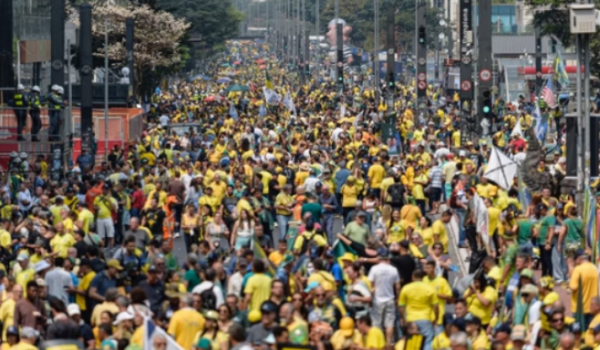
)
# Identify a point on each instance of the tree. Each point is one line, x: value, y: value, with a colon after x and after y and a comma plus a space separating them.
x: 157, y: 39
x: 214, y: 21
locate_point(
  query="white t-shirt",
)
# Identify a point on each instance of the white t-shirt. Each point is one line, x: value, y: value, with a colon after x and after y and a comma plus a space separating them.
x: 164, y: 120
x: 206, y: 285
x: 384, y: 277
x: 534, y: 312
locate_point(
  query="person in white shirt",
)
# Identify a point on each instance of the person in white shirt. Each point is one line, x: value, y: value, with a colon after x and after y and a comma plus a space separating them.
x: 386, y: 285
x: 234, y: 285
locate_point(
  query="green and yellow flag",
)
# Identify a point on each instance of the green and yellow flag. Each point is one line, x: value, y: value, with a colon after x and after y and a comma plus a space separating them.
x: 269, y: 82
x: 260, y: 253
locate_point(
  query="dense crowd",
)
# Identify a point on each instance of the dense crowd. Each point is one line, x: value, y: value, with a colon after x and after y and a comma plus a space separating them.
x: 297, y: 222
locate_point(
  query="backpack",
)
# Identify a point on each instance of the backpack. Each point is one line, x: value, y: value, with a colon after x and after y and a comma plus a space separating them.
x: 308, y: 238
x: 454, y: 199
x: 396, y: 192
x: 209, y: 299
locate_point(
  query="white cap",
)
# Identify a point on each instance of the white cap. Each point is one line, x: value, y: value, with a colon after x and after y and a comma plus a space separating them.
x: 123, y: 316
x: 23, y: 155
x: 54, y: 88
x: 61, y: 90
x: 462, y: 153
x: 36, y: 88
x: 41, y: 266
x: 20, y: 87
x: 73, y: 309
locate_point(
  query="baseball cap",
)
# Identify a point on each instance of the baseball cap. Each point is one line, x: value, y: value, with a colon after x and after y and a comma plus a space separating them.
x: 268, y: 307
x: 470, y: 318
x: 527, y: 273
x: 123, y: 316
x: 41, y: 266
x: 22, y: 256
x: 12, y: 330
x: 361, y: 214
x: 115, y: 264
x: 347, y: 326
x: 348, y: 257
x: 503, y: 328
x: 518, y: 333
x: 529, y: 289
x: 73, y: 309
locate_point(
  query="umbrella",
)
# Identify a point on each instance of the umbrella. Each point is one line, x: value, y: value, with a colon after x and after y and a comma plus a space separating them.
x: 210, y: 98
x: 200, y: 76
x: 262, y: 66
x: 237, y: 63
x: 224, y: 80
x: 225, y: 65
x: 237, y: 87
x: 260, y: 61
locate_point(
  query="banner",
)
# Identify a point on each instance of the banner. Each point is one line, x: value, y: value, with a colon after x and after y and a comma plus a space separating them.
x: 271, y: 97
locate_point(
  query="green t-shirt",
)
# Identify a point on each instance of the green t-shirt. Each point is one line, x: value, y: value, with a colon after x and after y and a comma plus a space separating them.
x: 357, y: 233
x: 574, y: 230
x: 524, y: 234
x: 545, y: 223
x: 313, y: 208
x: 191, y: 276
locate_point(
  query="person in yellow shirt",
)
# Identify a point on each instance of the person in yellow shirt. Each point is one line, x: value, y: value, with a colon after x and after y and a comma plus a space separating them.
x: 584, y: 276
x: 442, y: 287
x: 418, y: 303
x: 375, y: 175
x: 442, y: 340
x: 218, y: 188
x: 476, y: 333
x: 258, y: 287
x: 61, y: 242
x: 439, y: 230
x: 28, y: 338
x: 7, y: 310
x: 481, y: 299
x: 373, y: 338
x: 105, y: 205
x: 84, y: 217
x: 186, y: 323
x: 419, y: 182
x: 346, y: 336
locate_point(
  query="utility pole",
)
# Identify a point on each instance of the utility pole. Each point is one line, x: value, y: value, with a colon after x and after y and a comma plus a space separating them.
x: 340, y: 54
x: 57, y: 43
x: 466, y: 56
x: 538, y: 61
x: 421, y: 55
x: 391, y: 79
x: 376, y: 74
x: 86, y: 71
x: 484, y: 62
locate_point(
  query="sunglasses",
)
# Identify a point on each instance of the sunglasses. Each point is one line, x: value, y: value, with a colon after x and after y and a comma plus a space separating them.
x: 319, y: 295
x: 557, y: 320
x: 297, y: 299
x: 525, y: 295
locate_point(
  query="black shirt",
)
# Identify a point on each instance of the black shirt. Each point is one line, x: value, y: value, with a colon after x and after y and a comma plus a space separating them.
x: 154, y: 220
x: 155, y: 293
x: 406, y: 265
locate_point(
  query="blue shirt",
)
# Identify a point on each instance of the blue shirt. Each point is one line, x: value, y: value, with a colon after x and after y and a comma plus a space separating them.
x: 340, y: 179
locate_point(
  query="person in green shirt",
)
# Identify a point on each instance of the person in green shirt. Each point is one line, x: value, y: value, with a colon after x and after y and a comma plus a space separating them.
x: 192, y: 278
x: 544, y: 232
x: 570, y: 238
x: 312, y: 206
x: 170, y: 258
x: 358, y: 230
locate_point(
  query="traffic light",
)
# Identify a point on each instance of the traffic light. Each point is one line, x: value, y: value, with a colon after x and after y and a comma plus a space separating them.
x: 307, y: 70
x: 391, y: 80
x: 487, y: 104
x: 422, y: 35
x: 341, y: 74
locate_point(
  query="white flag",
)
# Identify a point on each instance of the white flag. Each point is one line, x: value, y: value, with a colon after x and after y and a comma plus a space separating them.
x: 271, y: 96
x: 288, y: 102
x: 151, y: 331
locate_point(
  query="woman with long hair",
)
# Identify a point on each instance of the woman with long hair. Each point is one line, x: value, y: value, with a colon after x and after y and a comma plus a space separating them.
x: 217, y: 233
x: 243, y: 230
x: 481, y: 297
x: 225, y: 318
x: 190, y: 225
x: 219, y: 340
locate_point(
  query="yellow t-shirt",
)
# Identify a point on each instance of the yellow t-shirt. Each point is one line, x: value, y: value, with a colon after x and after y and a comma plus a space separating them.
x: 103, y: 204
x: 23, y: 346
x: 276, y: 257
x: 320, y: 277
x: 259, y: 285
x: 418, y: 299
x: 285, y: 200
x: 212, y: 202
x: 376, y: 174
x: 480, y: 342
x: 441, y: 342
x: 7, y: 313
x: 374, y: 339
x: 84, y: 285
x: 216, y: 341
x: 477, y: 309
x: 317, y: 238
x: 442, y: 287
x: 61, y: 244
x: 5, y: 239
x: 418, y: 189
x: 588, y: 274
x: 349, y: 196
x: 86, y: 217
x: 184, y: 325
x: 219, y: 190
x: 427, y: 236
x: 439, y: 229
x: 339, y: 341
x: 397, y: 231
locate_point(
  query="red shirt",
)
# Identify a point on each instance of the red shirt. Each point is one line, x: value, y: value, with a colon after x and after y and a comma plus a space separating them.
x: 138, y: 200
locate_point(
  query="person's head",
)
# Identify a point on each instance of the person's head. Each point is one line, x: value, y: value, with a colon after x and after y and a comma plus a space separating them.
x: 352, y: 271
x: 557, y: 319
x: 286, y: 314
x: 268, y: 312
x: 320, y: 295
x: 429, y: 268
x: 159, y: 342
x: 502, y: 333
x: 459, y: 341
x: 361, y: 217
x: 363, y: 324
x: 232, y: 301
x: 473, y: 324
x: 28, y: 335
x: 567, y: 341
x: 225, y: 312
x: 12, y: 335
x: 277, y: 288
x: 32, y: 290
x: 113, y: 266
x: 129, y: 244
x: 518, y: 336
x: 237, y: 334
x: 446, y: 216
x: 460, y: 308
x: 595, y: 305
x: 134, y: 223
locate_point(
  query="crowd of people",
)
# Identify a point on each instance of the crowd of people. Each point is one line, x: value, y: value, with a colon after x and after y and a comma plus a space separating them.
x: 297, y: 223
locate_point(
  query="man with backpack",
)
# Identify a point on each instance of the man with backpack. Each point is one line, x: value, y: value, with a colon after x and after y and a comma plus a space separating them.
x: 396, y: 193
x: 210, y: 292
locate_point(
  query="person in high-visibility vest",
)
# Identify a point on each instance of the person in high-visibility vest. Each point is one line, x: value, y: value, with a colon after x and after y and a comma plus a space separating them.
x: 55, y: 106
x: 19, y: 104
x: 35, y: 104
